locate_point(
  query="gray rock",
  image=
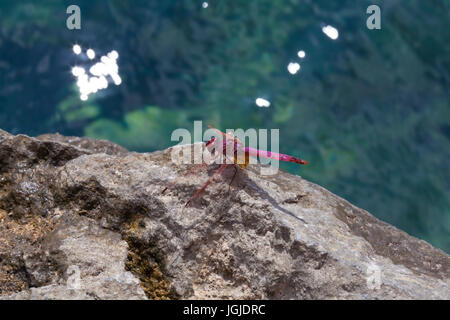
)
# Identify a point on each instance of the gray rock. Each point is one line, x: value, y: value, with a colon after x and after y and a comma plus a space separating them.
x: 92, y: 260
x: 96, y: 146
x: 85, y: 219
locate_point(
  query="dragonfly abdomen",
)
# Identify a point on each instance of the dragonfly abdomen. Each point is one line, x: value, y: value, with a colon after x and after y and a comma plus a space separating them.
x: 273, y: 155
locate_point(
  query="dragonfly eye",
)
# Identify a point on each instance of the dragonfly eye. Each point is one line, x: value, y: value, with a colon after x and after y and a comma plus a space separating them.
x: 210, y: 142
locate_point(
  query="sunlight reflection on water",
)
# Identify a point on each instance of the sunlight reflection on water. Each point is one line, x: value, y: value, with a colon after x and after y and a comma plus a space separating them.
x: 331, y: 32
x: 96, y: 79
x: 293, y: 67
x: 260, y: 102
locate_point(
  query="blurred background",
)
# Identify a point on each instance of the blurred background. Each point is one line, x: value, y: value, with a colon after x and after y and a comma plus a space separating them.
x: 370, y: 109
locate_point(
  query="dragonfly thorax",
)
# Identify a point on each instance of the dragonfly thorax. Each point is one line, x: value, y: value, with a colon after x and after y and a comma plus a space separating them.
x: 229, y: 148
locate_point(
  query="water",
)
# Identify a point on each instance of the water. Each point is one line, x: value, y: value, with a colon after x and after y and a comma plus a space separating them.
x: 369, y: 109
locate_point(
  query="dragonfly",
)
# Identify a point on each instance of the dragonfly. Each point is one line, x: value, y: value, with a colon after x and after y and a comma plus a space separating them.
x: 218, y: 146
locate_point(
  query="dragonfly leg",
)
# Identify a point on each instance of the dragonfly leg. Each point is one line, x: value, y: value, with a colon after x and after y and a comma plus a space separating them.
x: 219, y: 171
x: 236, y: 169
x: 194, y: 170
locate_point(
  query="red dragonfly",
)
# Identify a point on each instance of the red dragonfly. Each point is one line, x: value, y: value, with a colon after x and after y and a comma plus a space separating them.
x: 241, y: 157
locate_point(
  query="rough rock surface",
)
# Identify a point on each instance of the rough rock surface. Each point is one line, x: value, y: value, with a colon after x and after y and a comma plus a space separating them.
x: 85, y: 219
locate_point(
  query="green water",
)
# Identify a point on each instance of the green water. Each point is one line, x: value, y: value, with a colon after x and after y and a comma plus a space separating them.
x: 370, y: 110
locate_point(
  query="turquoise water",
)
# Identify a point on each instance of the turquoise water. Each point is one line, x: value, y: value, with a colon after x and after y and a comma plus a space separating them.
x: 370, y: 109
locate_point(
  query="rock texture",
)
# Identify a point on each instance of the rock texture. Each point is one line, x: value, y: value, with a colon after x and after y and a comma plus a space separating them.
x: 85, y: 219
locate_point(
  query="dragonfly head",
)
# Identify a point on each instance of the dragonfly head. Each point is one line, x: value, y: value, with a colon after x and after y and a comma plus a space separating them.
x: 210, y: 142
x: 211, y: 145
